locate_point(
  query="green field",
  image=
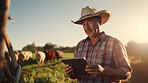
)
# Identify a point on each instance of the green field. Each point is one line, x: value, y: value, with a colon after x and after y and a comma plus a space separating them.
x: 53, y: 72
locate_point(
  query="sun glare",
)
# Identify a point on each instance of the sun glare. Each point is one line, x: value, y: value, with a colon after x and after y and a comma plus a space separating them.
x: 143, y: 32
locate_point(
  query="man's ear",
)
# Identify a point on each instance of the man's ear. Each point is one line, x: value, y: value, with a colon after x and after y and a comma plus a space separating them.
x: 100, y: 20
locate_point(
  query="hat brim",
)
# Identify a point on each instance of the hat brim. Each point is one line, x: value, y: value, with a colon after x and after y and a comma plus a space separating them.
x: 104, y: 14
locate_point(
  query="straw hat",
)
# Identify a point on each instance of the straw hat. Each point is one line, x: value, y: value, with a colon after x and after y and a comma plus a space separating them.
x: 89, y: 12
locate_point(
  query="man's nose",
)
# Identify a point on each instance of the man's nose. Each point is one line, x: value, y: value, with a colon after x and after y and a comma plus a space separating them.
x: 87, y: 26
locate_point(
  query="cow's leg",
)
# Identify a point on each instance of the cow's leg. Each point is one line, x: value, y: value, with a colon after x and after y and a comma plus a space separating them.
x: 38, y: 62
x: 42, y: 62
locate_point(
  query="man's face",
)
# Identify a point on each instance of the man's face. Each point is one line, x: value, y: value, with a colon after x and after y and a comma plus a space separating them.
x: 91, y: 27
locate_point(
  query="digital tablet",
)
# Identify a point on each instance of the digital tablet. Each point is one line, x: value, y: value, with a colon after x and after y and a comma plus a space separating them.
x: 78, y: 64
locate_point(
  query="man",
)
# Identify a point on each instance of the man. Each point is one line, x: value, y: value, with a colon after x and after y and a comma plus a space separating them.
x: 107, y: 57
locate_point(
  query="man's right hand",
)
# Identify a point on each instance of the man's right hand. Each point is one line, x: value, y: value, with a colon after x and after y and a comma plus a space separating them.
x: 70, y: 72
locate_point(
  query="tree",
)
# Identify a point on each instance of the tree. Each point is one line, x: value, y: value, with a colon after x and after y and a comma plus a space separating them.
x: 30, y: 47
x: 66, y: 49
x: 40, y: 48
x: 49, y: 46
x: 132, y: 48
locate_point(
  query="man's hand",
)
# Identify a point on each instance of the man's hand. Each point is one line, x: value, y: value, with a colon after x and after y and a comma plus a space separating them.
x: 94, y: 70
x: 70, y: 72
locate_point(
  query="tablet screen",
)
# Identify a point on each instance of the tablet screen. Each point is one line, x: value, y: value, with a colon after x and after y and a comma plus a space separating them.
x: 78, y: 64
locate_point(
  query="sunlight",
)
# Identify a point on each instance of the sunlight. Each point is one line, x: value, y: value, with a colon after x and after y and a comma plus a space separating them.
x: 143, y: 32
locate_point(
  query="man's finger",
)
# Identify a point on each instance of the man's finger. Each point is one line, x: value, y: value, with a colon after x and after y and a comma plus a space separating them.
x: 91, y: 66
x: 68, y: 68
x: 69, y: 71
x: 90, y: 70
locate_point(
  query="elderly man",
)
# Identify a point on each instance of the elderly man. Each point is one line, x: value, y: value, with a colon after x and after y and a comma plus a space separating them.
x: 107, y: 57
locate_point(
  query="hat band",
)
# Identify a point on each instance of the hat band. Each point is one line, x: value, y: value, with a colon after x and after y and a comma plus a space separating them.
x: 86, y: 16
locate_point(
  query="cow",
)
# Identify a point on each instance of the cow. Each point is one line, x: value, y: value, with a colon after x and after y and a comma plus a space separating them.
x: 61, y: 54
x: 40, y: 57
x: 25, y: 56
x: 51, y: 55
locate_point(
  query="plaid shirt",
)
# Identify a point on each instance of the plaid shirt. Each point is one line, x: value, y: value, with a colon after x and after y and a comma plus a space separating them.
x: 107, y: 52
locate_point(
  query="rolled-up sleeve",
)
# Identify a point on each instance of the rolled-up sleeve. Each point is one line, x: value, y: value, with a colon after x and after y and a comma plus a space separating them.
x: 121, y: 59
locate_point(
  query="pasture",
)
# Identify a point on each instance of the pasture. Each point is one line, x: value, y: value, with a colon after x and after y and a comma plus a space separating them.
x: 54, y: 72
x: 47, y: 73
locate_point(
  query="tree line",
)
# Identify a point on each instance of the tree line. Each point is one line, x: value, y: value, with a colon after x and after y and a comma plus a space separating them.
x: 132, y: 48
x: 48, y: 46
x: 137, y: 49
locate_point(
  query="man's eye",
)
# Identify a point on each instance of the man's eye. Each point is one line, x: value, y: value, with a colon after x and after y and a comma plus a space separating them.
x: 90, y: 21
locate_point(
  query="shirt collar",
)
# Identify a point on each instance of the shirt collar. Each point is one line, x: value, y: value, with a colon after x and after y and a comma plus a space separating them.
x: 102, y: 36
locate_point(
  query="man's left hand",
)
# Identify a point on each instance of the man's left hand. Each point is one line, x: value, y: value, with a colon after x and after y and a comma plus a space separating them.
x: 94, y: 70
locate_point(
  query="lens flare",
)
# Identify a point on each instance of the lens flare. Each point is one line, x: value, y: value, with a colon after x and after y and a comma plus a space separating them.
x: 143, y: 32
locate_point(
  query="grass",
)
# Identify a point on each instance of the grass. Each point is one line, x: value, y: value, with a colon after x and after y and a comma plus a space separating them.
x: 54, y: 72
x: 68, y: 55
x: 47, y: 73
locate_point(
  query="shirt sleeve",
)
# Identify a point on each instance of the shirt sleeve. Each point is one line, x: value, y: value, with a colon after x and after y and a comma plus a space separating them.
x: 78, y: 48
x: 121, y: 59
x: 75, y: 52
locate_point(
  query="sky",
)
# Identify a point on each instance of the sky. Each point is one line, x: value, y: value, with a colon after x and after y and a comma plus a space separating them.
x: 44, y: 21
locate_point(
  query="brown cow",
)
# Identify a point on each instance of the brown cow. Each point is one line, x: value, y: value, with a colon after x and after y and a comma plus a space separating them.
x: 50, y: 55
